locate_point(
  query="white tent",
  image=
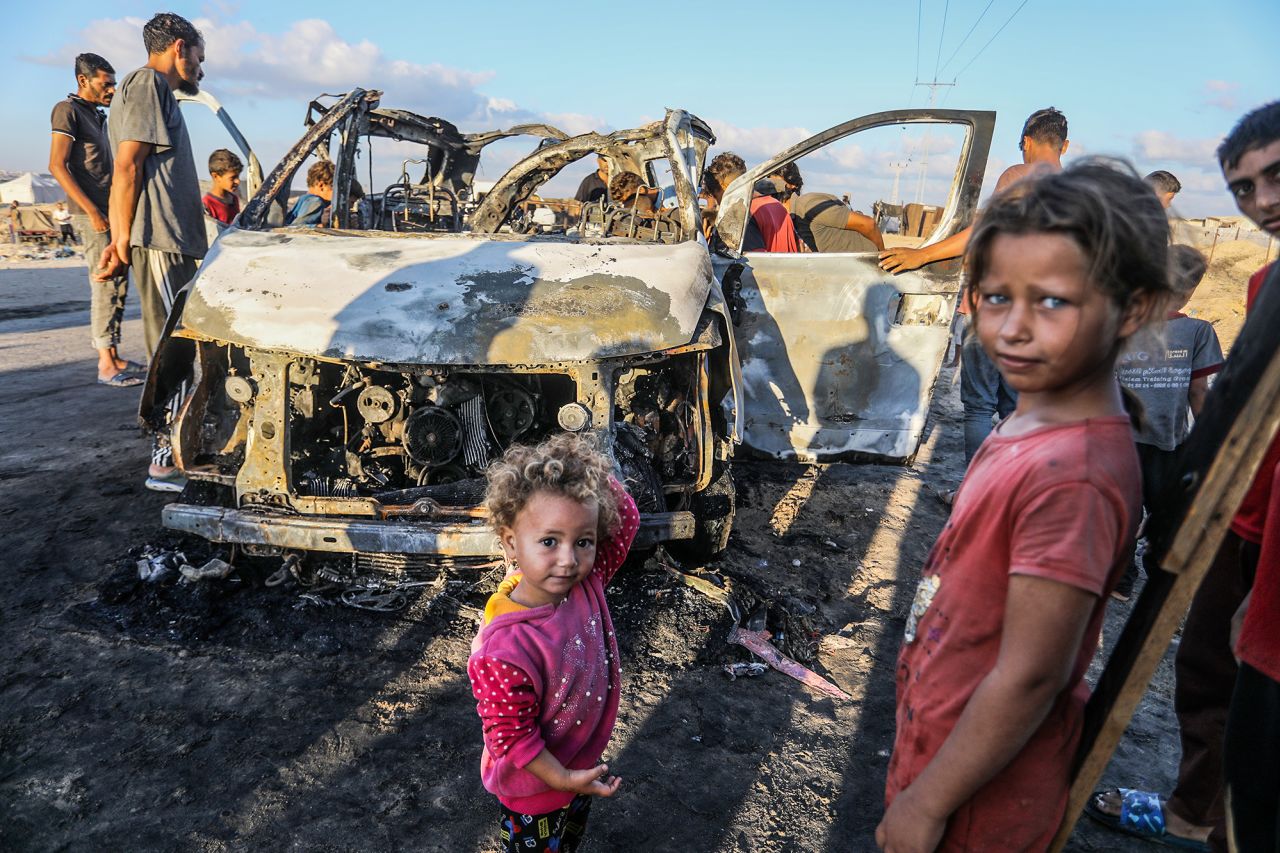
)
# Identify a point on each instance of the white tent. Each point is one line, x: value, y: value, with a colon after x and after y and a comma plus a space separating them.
x: 30, y: 188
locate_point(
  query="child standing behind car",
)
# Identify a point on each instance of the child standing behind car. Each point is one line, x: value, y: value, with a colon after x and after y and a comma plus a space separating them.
x: 222, y: 201
x: 544, y: 665
x: 1167, y: 367
x: 1064, y: 268
x: 311, y: 206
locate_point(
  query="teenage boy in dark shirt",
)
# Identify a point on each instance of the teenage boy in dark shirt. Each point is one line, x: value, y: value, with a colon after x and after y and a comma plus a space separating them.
x: 80, y: 161
x: 1205, y: 668
x: 1251, y: 163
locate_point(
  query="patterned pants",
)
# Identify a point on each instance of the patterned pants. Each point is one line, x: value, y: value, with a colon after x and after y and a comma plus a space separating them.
x: 559, y: 831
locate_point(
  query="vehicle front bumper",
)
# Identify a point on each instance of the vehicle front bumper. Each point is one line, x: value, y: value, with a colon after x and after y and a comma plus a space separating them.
x: 343, y: 535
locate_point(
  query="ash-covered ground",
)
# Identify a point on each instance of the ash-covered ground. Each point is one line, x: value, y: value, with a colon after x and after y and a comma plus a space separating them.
x: 228, y: 715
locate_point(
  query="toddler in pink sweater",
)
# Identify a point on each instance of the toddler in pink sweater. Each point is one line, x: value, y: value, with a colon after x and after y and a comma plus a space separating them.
x: 544, y: 665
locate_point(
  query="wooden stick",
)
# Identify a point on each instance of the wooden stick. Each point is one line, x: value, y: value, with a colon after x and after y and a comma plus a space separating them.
x: 1189, y: 522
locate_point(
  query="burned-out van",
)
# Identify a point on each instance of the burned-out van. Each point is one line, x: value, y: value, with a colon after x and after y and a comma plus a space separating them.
x: 336, y: 392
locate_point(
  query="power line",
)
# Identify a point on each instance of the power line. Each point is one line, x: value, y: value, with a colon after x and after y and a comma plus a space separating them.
x: 955, y: 52
x: 993, y: 38
x: 919, y: 19
x: 943, y: 32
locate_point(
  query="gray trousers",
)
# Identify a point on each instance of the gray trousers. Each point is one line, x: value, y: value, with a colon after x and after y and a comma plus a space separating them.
x: 106, y: 298
x: 160, y: 276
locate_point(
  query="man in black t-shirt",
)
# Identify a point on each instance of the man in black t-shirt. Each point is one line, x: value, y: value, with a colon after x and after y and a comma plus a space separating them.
x: 80, y: 160
x: 596, y: 185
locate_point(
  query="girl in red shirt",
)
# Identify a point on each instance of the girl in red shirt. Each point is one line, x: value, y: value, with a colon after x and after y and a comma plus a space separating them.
x: 1008, y: 611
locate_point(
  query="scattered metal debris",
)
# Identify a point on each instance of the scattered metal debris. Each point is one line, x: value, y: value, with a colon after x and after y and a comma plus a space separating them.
x: 757, y: 642
x: 707, y: 582
x: 366, y: 599
x: 312, y: 599
x: 157, y: 566
x: 215, y: 569
x: 745, y: 670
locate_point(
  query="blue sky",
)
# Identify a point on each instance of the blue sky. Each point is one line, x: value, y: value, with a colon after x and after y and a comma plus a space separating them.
x: 1156, y: 82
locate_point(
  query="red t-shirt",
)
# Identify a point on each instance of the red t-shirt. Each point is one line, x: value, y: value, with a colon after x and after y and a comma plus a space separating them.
x: 1061, y: 503
x: 774, y: 221
x: 1259, y: 643
x: 1251, y: 517
x: 223, y: 211
x: 1259, y: 521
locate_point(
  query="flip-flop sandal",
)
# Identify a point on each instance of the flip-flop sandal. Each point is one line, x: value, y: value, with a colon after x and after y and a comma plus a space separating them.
x: 123, y: 379
x: 174, y: 481
x: 134, y: 367
x: 1141, y: 815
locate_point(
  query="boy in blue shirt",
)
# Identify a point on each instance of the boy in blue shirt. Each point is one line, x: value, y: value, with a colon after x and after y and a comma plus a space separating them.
x: 309, y: 209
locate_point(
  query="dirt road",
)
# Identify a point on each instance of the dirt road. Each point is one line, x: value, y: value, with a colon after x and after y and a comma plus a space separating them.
x: 231, y: 716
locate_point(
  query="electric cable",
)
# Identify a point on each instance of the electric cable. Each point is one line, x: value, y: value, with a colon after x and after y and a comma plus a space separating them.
x: 941, y: 34
x: 993, y: 38
x: 955, y: 52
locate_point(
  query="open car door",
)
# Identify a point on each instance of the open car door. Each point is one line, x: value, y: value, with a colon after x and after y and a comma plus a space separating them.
x: 839, y: 357
x: 253, y: 168
x: 253, y: 171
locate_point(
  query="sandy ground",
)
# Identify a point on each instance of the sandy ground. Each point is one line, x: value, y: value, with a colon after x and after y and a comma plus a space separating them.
x: 232, y: 716
x: 1220, y: 296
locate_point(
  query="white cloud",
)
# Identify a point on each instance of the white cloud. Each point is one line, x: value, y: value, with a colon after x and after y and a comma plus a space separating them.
x: 1221, y: 94
x: 754, y: 144
x: 577, y: 123
x: 1161, y: 145
x: 1202, y: 181
x: 307, y: 58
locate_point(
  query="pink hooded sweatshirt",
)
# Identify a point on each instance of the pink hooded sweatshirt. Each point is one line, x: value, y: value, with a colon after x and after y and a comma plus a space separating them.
x: 548, y: 677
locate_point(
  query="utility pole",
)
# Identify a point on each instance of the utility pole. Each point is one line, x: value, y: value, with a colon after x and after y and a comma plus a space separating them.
x: 897, y: 169
x: 933, y: 87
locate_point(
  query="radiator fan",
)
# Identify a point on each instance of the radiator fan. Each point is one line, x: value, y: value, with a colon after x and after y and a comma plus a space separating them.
x: 432, y: 435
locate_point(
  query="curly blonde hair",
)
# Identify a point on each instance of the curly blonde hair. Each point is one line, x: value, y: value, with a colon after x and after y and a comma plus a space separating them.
x: 565, y: 464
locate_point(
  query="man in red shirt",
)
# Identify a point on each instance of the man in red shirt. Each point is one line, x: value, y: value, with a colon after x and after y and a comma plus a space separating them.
x: 222, y: 201
x: 1205, y: 668
x: 770, y: 228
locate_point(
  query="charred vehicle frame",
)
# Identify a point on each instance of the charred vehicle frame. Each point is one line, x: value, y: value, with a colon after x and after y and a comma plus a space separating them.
x: 349, y: 385
x: 346, y: 386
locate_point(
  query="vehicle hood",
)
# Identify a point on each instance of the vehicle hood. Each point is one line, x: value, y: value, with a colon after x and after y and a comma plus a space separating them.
x: 446, y: 300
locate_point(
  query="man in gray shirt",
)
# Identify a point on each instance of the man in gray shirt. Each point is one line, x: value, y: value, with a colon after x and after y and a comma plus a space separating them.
x: 157, y: 223
x: 80, y: 160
